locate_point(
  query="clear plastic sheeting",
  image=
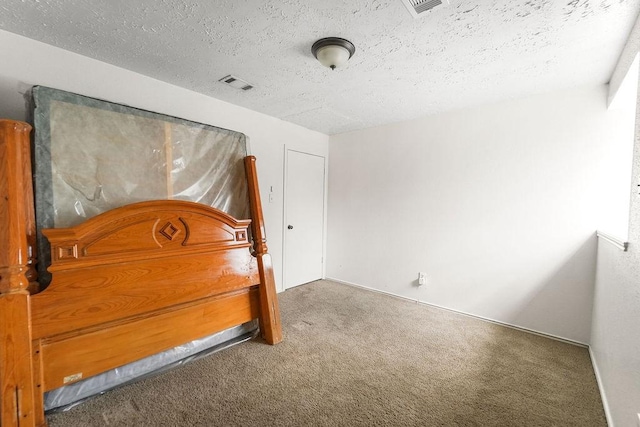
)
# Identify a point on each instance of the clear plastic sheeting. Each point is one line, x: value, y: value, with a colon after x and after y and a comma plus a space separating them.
x: 65, y: 398
x: 92, y: 156
x: 102, y: 159
x: 208, y: 168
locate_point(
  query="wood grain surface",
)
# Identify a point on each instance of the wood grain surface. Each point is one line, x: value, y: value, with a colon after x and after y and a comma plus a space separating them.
x: 126, y: 284
x: 270, y: 324
x: 67, y: 359
x: 16, y: 227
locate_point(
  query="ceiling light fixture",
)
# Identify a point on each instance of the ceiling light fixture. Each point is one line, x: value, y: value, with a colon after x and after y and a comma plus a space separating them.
x: 333, y: 52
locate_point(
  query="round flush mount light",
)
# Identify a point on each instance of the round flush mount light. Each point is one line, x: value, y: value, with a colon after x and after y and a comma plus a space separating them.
x: 333, y: 52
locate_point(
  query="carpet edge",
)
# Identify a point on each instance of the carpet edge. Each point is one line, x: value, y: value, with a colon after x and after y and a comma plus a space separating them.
x: 475, y: 316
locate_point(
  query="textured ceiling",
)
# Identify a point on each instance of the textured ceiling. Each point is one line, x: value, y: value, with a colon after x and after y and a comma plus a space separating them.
x: 466, y: 53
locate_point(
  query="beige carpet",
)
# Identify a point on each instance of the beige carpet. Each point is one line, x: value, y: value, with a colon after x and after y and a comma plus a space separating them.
x: 351, y: 357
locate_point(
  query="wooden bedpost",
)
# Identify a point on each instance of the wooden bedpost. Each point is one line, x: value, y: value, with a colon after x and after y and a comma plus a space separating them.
x: 17, y: 401
x: 269, y: 311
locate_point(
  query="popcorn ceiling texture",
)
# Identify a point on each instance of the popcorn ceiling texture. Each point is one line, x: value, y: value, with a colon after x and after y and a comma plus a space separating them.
x: 463, y: 54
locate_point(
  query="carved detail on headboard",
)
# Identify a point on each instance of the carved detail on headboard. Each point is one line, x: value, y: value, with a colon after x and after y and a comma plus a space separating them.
x: 146, y: 229
x: 141, y: 258
x: 170, y: 231
x: 67, y: 251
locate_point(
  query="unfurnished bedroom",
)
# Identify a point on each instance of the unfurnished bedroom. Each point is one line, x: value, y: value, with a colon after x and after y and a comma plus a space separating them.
x: 341, y: 213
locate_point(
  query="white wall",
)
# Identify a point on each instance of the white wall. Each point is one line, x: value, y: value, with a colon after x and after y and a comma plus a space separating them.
x: 614, y: 210
x: 27, y: 62
x: 498, y: 205
x: 615, y: 336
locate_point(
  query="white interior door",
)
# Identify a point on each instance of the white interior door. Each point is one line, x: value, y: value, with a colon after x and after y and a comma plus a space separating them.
x: 304, y: 218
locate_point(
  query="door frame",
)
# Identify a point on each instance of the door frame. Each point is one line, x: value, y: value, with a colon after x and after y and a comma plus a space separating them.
x: 284, y: 211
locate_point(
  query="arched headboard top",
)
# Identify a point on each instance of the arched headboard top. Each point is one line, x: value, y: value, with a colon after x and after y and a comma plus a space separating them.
x: 146, y: 229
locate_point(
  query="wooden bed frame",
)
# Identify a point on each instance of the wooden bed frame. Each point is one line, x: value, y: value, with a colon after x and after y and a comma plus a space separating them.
x: 126, y: 284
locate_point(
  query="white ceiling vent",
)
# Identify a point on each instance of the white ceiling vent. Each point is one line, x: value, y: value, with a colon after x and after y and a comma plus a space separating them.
x: 236, y: 82
x: 418, y: 7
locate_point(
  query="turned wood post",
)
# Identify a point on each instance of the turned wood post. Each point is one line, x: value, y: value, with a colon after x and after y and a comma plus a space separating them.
x: 269, y: 311
x: 16, y: 223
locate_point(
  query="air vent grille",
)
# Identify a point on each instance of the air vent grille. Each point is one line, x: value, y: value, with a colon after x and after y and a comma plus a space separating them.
x: 235, y: 82
x: 418, y: 7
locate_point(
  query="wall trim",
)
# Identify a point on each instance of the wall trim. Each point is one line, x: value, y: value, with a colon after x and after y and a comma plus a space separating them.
x: 603, y: 395
x: 486, y: 319
x: 615, y: 241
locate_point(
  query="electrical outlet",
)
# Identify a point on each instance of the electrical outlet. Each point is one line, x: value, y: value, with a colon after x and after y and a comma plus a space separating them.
x: 638, y: 419
x: 422, y: 278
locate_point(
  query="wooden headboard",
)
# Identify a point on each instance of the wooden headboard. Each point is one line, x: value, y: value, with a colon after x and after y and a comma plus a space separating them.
x: 126, y: 284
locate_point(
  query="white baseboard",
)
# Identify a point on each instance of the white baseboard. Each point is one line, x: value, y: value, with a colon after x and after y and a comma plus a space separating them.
x: 486, y: 319
x: 603, y: 395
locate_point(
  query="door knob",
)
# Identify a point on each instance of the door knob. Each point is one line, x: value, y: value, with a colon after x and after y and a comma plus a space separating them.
x: 290, y: 227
